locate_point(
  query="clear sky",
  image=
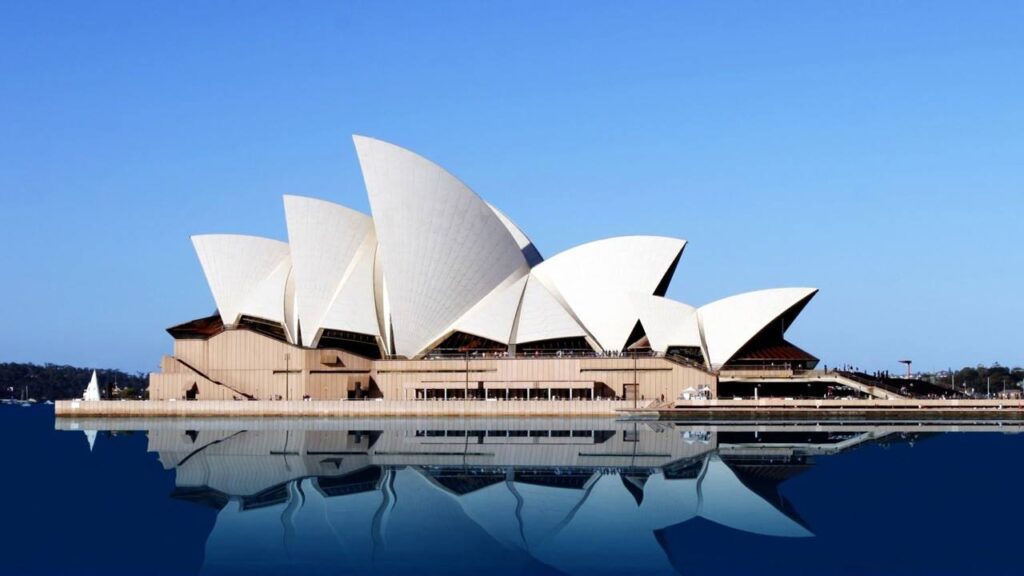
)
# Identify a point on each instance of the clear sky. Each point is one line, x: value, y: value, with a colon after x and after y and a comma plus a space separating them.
x: 872, y: 149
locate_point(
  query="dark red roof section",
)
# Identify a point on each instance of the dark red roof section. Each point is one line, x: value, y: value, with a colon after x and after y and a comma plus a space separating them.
x: 201, y: 328
x: 783, y: 351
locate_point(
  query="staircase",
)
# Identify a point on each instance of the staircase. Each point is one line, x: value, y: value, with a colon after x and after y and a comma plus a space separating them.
x: 199, y: 373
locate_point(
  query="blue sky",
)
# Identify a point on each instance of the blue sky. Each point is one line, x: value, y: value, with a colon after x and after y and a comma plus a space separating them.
x: 872, y: 149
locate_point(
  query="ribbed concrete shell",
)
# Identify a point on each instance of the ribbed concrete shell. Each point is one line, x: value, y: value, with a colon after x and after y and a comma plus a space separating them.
x: 494, y: 316
x: 597, y: 280
x: 353, y: 308
x: 268, y: 299
x: 667, y: 322
x: 543, y: 317
x: 729, y: 323
x: 436, y: 259
x: 332, y: 254
x: 530, y: 252
x: 443, y: 247
x: 246, y: 274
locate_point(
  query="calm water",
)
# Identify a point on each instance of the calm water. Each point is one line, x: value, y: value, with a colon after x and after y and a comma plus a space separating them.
x: 503, y: 497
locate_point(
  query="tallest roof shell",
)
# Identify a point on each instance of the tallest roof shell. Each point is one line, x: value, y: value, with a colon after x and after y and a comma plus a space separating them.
x: 444, y: 249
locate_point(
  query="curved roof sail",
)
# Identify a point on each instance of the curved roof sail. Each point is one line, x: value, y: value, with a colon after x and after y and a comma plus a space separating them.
x: 268, y: 299
x: 729, y: 323
x: 596, y: 280
x: 330, y: 244
x: 492, y: 318
x: 543, y: 317
x: 667, y: 322
x: 246, y: 274
x: 443, y: 247
x: 435, y: 258
x: 353, y: 308
x: 530, y: 251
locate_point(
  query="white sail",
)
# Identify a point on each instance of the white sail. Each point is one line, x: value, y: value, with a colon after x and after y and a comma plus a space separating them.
x: 92, y: 392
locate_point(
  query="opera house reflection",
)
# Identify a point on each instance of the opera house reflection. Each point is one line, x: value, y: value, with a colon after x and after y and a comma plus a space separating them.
x: 557, y: 496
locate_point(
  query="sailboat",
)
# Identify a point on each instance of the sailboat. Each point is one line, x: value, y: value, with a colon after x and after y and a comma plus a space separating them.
x: 92, y: 391
x: 25, y: 400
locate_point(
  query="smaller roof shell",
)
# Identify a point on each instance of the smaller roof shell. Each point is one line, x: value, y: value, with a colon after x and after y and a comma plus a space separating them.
x: 597, y: 280
x: 543, y: 317
x: 246, y: 274
x: 327, y: 241
x: 494, y: 316
x: 729, y: 323
x: 667, y: 322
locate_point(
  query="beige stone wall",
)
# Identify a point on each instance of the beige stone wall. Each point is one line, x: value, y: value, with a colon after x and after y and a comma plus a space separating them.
x: 339, y: 408
x: 237, y: 361
x: 655, y: 376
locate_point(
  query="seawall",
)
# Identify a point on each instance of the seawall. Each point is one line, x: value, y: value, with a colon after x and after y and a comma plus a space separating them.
x: 766, y: 408
x: 337, y: 408
x: 853, y: 410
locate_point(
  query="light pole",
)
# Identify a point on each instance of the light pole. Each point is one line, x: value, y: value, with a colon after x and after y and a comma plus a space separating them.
x: 287, y: 371
x: 908, y: 363
x: 636, y: 381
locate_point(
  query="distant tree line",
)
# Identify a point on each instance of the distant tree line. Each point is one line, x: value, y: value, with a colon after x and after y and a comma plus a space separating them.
x: 54, y: 382
x: 980, y: 378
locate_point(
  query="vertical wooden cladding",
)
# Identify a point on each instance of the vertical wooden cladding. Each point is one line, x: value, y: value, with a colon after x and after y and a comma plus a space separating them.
x: 257, y: 365
x: 192, y: 352
x: 242, y: 349
x: 461, y: 409
x: 655, y: 376
x: 332, y: 386
x: 268, y: 369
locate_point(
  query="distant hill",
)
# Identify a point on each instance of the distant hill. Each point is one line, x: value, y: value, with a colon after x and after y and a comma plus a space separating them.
x: 53, y: 382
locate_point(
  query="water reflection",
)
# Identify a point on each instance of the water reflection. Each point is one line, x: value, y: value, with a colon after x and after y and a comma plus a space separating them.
x: 459, y: 496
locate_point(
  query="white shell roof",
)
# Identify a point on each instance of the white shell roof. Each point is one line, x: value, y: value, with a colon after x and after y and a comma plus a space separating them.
x: 353, y: 308
x: 329, y: 243
x: 444, y: 248
x: 494, y: 316
x: 597, y: 281
x: 667, y: 322
x: 246, y: 274
x: 729, y: 323
x: 267, y: 300
x: 530, y: 251
x: 543, y: 317
x: 435, y: 258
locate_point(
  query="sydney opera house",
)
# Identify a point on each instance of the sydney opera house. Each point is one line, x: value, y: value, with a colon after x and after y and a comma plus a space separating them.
x: 439, y: 295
